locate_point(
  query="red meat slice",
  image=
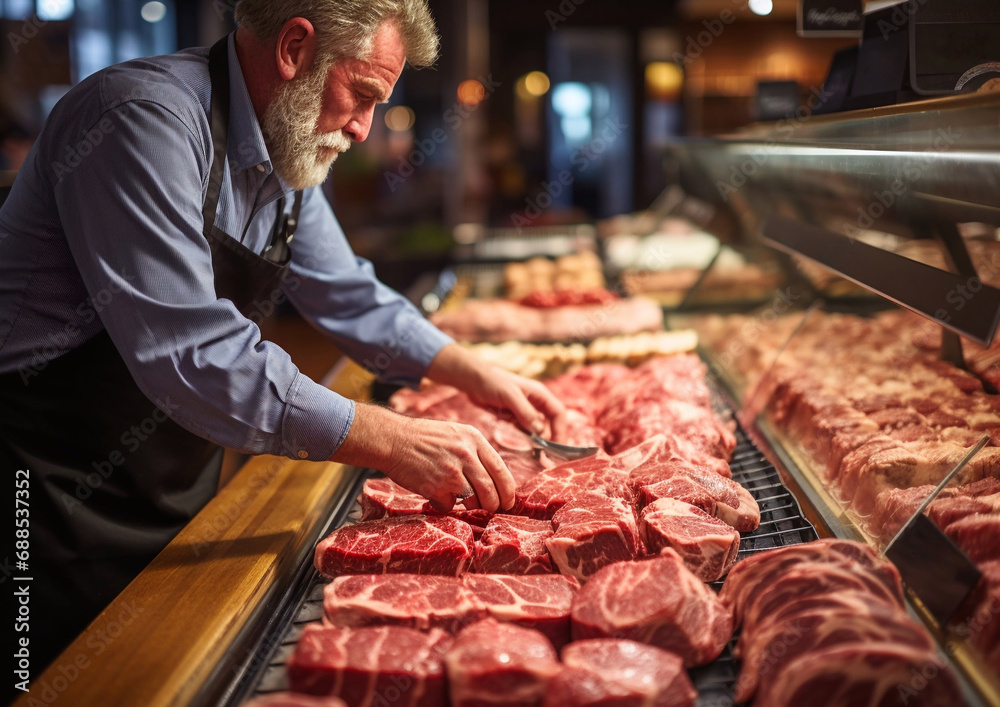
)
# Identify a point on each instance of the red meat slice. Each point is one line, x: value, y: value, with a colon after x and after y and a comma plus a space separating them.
x: 656, y: 601
x: 606, y: 671
x: 384, y: 498
x: 416, y: 601
x: 707, y: 546
x: 591, y: 532
x: 766, y: 651
x: 978, y: 618
x: 371, y: 666
x: 694, y: 483
x: 514, y: 545
x: 294, y: 699
x: 754, y: 576
x: 415, y: 544
x: 491, y: 664
x: 541, y: 601
x: 978, y: 535
x: 883, y: 674
x: 550, y: 490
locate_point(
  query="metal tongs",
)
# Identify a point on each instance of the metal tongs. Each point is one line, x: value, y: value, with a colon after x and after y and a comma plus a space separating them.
x: 564, y: 451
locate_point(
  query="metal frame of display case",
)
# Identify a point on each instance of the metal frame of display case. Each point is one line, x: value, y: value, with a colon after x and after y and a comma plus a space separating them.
x: 821, y: 186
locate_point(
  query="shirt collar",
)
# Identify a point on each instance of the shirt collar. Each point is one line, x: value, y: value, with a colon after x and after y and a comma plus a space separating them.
x: 245, y: 148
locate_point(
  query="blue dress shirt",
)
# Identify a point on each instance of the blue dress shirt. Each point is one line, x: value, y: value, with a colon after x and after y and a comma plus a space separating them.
x: 103, y: 230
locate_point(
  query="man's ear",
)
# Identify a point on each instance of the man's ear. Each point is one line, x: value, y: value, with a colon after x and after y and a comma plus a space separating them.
x: 295, y: 49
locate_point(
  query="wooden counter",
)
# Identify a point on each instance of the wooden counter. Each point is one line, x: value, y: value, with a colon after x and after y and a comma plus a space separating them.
x: 161, y: 639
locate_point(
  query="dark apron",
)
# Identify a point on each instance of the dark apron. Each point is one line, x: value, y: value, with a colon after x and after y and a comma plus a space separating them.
x: 112, y: 478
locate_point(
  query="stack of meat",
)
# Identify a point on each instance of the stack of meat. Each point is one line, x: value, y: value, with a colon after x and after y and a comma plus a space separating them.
x: 970, y: 515
x: 576, y: 320
x: 824, y: 624
x: 883, y: 419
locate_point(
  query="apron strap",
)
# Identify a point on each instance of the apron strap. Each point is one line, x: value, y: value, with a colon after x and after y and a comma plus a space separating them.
x: 218, y: 69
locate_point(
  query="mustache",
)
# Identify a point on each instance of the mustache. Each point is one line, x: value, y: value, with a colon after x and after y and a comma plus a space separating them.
x: 336, y: 140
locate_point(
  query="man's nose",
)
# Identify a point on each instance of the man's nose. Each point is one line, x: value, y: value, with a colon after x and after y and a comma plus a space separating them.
x: 359, y: 126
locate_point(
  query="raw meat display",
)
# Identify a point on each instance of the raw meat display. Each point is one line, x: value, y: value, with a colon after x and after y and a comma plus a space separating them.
x: 500, y: 320
x: 563, y: 298
x: 568, y: 273
x: 656, y: 601
x: 416, y: 601
x: 868, y: 401
x: 827, y: 619
x: 607, y: 671
x: 977, y: 620
x: 592, y: 531
x: 548, y: 491
x: 294, y: 699
x: 978, y: 535
x: 707, y: 546
x: 500, y: 665
x: 371, y: 666
x: 417, y: 544
x: 514, y: 545
x: 540, y: 601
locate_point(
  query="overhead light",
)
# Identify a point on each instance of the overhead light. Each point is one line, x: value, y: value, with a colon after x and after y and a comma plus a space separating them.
x: 534, y: 84
x: 663, y: 79
x: 153, y: 11
x: 55, y: 10
x: 572, y: 99
x: 471, y: 93
x: 761, y: 7
x: 400, y: 118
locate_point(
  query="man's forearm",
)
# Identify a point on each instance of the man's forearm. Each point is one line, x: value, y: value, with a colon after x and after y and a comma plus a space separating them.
x: 457, y: 367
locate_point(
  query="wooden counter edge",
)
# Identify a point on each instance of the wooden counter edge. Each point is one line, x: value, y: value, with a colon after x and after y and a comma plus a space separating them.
x: 160, y: 640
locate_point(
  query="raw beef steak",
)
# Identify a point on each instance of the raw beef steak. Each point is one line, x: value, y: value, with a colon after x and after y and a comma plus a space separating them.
x: 591, y: 532
x: 417, y: 601
x: 417, y: 544
x: 294, y: 699
x: 371, y: 666
x: 608, y: 671
x: 539, y: 601
x: 656, y: 601
x: 514, y: 545
x: 548, y: 491
x: 978, y: 535
x: 382, y: 498
x: 707, y: 546
x: 685, y: 481
x: 870, y: 674
x: 491, y: 664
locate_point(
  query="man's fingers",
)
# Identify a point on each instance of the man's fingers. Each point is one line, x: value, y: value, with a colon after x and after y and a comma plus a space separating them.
x: 503, y: 482
x: 486, y: 493
x: 526, y: 414
x: 471, y: 503
x: 545, y: 400
x: 443, y: 503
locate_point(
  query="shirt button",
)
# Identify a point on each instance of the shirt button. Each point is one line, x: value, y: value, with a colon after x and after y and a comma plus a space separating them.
x: 303, y: 454
x: 260, y: 168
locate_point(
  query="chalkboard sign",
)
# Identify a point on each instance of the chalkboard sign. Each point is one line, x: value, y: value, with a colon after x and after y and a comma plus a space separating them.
x: 830, y: 18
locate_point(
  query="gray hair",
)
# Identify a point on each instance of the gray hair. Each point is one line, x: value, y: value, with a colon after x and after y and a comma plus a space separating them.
x: 345, y: 28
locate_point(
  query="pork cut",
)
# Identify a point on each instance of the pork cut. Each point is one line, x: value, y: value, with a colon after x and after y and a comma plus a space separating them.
x: 540, y: 601
x: 656, y: 601
x: 416, y: 544
x: 416, y: 601
x: 872, y: 674
x: 707, y: 546
x: 514, y: 545
x: 294, y: 699
x: 608, y: 671
x: 492, y: 664
x: 591, y: 532
x: 371, y: 666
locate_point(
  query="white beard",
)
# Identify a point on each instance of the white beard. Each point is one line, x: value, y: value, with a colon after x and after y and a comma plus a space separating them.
x: 299, y: 154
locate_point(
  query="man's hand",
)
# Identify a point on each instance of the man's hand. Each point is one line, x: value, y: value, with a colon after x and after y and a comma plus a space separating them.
x: 532, y: 403
x: 438, y: 460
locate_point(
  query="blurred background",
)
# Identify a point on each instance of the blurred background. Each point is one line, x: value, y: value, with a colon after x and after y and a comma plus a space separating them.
x: 537, y: 113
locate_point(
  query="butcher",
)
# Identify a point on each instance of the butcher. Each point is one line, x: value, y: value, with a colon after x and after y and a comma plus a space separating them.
x: 166, y: 201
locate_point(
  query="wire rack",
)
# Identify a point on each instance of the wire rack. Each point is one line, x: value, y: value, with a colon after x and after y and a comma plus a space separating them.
x: 781, y: 524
